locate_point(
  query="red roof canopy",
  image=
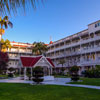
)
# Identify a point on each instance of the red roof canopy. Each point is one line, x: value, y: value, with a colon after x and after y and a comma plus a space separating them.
x: 31, y: 61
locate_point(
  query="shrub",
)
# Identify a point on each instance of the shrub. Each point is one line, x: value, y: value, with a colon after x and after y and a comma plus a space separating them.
x: 75, y: 77
x: 92, y: 73
x: 74, y: 73
x: 11, y: 72
x: 38, y: 74
x: 10, y: 75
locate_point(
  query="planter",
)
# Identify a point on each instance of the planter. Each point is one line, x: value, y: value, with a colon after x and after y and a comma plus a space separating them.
x: 38, y: 80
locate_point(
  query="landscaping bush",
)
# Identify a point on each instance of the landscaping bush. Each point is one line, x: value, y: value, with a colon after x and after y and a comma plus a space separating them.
x: 10, y: 75
x: 38, y: 74
x: 75, y: 77
x: 92, y: 73
x: 11, y: 72
x: 74, y: 73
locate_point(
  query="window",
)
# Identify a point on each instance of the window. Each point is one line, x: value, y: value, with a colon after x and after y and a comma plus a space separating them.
x: 97, y: 24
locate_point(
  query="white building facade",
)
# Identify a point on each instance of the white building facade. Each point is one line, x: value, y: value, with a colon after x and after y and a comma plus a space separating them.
x: 81, y: 49
x: 18, y: 49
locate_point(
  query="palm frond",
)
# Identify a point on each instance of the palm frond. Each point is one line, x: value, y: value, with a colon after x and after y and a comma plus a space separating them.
x: 0, y: 18
x: 8, y: 6
x: 10, y: 24
x: 6, y: 18
x: 6, y: 25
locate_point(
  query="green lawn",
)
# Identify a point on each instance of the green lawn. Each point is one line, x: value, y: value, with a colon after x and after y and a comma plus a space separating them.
x: 4, y: 76
x: 10, y: 91
x: 88, y: 81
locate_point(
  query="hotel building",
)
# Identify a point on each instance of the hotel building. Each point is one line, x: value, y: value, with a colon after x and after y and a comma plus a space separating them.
x: 81, y: 49
x: 18, y: 49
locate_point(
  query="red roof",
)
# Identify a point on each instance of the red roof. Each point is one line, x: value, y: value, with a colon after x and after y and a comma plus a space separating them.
x: 31, y: 61
x: 50, y: 42
x: 20, y: 46
x: 50, y: 61
x: 46, y: 44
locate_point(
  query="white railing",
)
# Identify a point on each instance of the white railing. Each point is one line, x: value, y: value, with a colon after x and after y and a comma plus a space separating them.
x: 89, y: 62
x: 75, y: 44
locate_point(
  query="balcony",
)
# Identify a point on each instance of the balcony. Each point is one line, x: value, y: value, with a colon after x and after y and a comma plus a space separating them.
x: 76, y: 44
x: 89, y: 62
x: 14, y: 58
x: 95, y: 49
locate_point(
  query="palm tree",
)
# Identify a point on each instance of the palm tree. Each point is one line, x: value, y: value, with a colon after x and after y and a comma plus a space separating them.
x: 62, y: 62
x: 4, y: 23
x: 39, y: 48
x: 8, y: 6
x: 5, y: 45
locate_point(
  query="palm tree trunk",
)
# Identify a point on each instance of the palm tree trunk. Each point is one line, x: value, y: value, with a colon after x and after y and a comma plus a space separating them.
x: 1, y: 37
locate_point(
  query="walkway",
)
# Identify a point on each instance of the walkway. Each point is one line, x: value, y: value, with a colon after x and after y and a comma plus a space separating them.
x: 57, y: 81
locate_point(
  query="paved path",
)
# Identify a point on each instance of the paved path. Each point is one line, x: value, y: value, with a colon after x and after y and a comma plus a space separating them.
x: 57, y: 81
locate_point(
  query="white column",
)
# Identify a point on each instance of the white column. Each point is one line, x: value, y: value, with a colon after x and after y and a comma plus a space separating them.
x: 19, y: 71
x: 31, y: 73
x: 24, y: 73
x: 51, y: 71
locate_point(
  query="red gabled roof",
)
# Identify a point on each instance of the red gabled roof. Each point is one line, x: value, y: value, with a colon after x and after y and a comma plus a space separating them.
x: 50, y: 61
x: 29, y: 61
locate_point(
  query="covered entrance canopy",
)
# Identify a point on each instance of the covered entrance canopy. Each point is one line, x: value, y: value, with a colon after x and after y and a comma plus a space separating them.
x: 32, y: 62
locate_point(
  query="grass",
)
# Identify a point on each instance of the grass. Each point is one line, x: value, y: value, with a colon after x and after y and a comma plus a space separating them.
x: 88, y: 81
x: 10, y: 91
x: 3, y: 76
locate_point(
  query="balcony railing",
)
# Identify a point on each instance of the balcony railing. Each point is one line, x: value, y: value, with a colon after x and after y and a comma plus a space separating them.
x: 76, y: 44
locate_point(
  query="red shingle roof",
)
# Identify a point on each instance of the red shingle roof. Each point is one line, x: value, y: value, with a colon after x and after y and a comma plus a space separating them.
x: 31, y: 61
x: 50, y: 61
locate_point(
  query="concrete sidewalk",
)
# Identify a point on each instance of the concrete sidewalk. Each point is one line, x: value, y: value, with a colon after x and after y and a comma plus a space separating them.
x: 57, y: 81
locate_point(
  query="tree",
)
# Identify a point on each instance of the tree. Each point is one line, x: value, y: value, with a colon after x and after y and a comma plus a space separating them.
x: 62, y: 62
x: 38, y: 74
x: 3, y: 61
x: 39, y: 48
x: 5, y: 45
x: 4, y: 23
x: 8, y: 6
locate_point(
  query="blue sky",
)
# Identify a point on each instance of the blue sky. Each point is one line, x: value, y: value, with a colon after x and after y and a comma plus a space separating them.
x: 56, y: 19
